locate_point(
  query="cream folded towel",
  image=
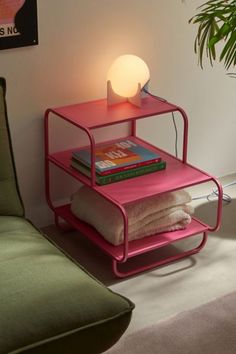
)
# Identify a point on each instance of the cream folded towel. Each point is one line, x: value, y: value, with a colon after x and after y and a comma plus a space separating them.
x: 164, y: 212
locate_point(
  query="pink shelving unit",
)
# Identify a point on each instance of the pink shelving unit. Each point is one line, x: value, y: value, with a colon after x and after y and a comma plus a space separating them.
x: 177, y: 175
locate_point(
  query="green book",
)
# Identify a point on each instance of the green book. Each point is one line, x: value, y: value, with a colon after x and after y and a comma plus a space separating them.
x: 115, y: 177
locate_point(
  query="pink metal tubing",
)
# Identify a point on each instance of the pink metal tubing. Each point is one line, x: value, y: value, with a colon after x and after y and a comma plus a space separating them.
x: 133, y: 127
x: 90, y: 136
x: 185, y: 134
x: 46, y: 161
x: 125, y: 220
x: 46, y: 145
x: 126, y: 235
x: 219, y: 207
x: 92, y: 144
x: 165, y: 261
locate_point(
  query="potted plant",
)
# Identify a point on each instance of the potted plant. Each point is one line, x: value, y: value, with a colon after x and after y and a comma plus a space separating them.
x: 216, y: 20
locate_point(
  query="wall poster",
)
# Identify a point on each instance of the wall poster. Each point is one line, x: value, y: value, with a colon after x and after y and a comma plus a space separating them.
x: 18, y: 23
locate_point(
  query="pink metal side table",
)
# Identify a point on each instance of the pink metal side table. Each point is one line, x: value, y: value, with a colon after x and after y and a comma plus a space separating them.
x: 177, y: 175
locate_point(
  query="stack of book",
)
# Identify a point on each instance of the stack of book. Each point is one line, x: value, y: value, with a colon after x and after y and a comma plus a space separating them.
x: 119, y: 160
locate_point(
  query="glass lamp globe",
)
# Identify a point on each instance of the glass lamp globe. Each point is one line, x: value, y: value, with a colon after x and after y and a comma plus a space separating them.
x: 127, y: 74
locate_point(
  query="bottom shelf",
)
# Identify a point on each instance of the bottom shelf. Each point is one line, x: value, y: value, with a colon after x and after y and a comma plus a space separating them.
x: 136, y: 247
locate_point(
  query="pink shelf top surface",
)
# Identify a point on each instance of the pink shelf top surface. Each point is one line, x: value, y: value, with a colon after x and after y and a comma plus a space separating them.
x: 135, y: 247
x: 177, y: 175
x: 97, y: 113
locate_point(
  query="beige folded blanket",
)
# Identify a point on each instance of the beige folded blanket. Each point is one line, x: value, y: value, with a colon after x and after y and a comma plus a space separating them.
x: 164, y: 212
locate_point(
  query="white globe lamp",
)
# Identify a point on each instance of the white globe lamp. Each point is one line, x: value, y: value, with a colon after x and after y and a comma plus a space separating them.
x: 126, y: 77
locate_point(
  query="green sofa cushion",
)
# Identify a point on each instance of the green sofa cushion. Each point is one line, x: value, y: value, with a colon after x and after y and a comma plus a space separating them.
x: 10, y: 201
x: 48, y: 303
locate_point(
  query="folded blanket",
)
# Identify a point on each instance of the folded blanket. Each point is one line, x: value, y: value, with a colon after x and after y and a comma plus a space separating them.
x: 164, y: 212
x: 169, y: 219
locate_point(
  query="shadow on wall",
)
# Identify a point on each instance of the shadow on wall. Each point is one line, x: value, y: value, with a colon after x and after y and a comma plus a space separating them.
x: 207, y: 213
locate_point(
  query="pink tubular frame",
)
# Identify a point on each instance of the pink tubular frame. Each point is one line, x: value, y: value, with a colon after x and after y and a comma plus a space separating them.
x: 143, y: 248
x: 168, y: 260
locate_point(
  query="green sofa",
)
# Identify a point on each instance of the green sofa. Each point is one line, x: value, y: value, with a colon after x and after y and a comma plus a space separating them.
x: 48, y: 303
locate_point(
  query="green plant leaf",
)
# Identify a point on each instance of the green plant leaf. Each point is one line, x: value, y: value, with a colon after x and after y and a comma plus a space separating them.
x: 216, y: 21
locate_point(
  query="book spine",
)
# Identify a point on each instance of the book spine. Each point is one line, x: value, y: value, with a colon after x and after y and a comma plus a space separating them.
x: 102, y: 180
x: 120, y: 169
x: 130, y: 167
x: 81, y: 168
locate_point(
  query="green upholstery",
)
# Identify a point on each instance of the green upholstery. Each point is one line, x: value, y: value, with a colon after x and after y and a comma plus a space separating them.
x: 10, y: 201
x: 48, y: 303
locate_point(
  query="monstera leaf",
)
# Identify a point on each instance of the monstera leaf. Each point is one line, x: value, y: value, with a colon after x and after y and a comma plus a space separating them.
x: 216, y: 20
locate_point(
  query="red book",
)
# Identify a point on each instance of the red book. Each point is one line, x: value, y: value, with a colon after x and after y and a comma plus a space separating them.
x: 120, y: 155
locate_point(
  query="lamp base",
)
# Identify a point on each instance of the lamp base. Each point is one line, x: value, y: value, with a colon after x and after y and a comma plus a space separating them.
x: 113, y: 98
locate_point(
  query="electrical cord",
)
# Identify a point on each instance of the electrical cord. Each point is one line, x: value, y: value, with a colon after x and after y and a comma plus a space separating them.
x: 144, y: 89
x: 176, y: 134
x: 173, y: 117
x: 214, y: 194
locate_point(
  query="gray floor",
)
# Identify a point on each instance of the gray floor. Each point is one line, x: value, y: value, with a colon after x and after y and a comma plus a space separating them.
x: 183, y: 285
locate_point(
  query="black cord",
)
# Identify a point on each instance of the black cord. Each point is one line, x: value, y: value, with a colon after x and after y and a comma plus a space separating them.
x: 154, y: 96
x: 176, y: 134
x: 173, y: 118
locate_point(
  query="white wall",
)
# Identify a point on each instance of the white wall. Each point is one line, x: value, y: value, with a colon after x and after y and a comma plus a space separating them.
x: 78, y: 40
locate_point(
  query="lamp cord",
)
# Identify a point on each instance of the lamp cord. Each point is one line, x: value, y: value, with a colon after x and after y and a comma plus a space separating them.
x: 214, y: 194
x: 144, y: 89
x: 176, y: 134
x: 173, y: 118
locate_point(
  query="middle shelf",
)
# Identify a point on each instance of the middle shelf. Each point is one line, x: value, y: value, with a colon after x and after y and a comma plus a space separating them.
x: 177, y: 175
